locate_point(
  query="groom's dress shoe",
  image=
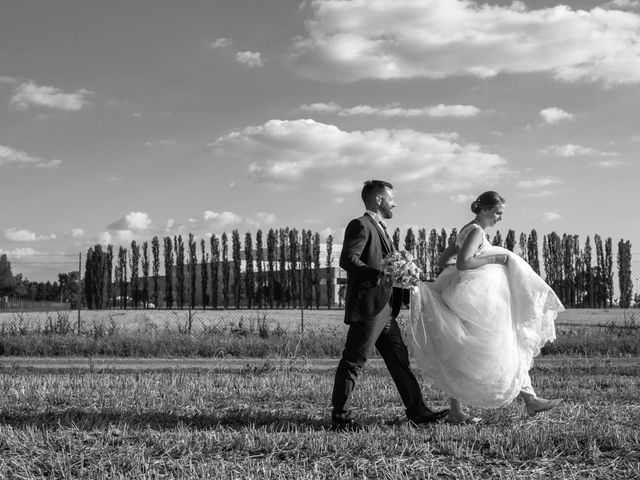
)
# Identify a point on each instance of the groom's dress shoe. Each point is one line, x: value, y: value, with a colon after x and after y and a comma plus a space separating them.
x: 429, y: 419
x: 538, y: 405
x: 437, y: 416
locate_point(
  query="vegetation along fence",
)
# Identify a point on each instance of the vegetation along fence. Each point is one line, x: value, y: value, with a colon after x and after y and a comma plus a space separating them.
x: 287, y: 278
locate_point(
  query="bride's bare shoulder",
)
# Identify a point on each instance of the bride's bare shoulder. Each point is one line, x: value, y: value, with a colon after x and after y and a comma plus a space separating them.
x: 470, y: 226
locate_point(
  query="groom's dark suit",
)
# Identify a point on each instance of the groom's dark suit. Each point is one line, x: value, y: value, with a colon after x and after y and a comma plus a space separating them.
x: 364, y: 247
x: 372, y: 322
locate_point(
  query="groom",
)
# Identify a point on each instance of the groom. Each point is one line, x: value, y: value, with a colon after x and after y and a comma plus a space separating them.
x: 371, y: 318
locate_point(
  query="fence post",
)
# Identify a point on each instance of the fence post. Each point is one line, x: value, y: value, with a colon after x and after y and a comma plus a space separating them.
x: 301, y: 283
x: 79, y: 299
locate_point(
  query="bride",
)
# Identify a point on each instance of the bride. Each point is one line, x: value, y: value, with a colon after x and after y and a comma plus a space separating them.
x: 476, y: 329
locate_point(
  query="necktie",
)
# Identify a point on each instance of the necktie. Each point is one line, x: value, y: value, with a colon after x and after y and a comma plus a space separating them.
x: 386, y: 234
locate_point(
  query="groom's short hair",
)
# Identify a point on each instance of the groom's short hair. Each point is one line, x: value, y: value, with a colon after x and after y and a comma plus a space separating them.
x: 374, y: 187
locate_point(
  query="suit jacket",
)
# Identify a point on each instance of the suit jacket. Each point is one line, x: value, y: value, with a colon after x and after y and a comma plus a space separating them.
x: 363, y: 248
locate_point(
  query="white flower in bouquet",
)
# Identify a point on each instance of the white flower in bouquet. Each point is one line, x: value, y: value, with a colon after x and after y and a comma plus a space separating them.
x: 401, y: 268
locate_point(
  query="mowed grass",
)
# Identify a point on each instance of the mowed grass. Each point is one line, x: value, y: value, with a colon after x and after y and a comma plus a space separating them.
x: 268, y: 418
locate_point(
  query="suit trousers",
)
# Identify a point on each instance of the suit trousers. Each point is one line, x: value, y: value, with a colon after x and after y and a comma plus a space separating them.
x: 383, y: 332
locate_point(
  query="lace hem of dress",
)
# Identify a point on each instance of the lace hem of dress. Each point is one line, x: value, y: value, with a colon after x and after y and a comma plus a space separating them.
x: 536, y: 326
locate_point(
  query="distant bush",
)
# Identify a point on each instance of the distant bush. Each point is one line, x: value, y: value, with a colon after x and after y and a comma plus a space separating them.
x: 614, y: 340
x: 213, y: 342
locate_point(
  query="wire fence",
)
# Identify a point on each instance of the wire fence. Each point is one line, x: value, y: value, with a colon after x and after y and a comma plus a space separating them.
x: 50, y: 297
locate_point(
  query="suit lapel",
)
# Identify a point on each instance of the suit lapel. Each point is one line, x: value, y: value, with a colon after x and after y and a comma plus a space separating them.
x: 384, y: 241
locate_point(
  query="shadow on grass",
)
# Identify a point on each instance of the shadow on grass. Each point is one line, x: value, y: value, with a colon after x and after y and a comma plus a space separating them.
x: 230, y: 419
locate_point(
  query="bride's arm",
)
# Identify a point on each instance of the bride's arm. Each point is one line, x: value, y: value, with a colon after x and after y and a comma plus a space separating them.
x: 466, y: 260
x: 444, y: 257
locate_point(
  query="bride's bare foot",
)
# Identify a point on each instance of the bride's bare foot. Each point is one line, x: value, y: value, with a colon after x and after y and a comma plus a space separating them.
x: 462, y: 419
x: 458, y: 417
x: 537, y: 405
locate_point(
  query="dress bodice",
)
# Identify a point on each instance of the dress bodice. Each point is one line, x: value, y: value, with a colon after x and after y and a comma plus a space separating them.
x: 464, y: 233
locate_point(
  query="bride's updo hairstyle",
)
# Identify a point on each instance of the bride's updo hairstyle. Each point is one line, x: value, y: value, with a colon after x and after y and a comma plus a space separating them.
x: 487, y: 200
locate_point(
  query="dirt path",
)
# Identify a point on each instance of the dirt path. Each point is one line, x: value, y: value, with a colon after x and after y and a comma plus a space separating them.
x: 113, y: 364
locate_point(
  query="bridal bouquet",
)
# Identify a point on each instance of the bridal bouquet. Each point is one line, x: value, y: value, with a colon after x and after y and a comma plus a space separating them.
x: 401, y: 268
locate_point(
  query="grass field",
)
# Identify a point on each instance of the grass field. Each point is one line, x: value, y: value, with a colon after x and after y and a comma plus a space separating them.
x: 254, y: 333
x: 267, y: 418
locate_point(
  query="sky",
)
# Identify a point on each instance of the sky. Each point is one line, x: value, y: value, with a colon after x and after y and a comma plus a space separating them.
x: 122, y: 120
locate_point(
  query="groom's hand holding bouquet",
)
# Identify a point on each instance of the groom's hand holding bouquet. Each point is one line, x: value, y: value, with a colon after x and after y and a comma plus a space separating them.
x: 401, y: 269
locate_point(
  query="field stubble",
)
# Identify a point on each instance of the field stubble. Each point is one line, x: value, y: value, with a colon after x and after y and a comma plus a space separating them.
x: 242, y: 419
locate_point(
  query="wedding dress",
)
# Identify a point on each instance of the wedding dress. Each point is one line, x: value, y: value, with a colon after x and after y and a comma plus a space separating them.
x: 475, y: 332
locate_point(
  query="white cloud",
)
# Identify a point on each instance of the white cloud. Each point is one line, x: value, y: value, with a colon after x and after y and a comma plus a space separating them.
x: 393, y: 111
x: 320, y: 107
x: 11, y: 157
x: 116, y: 237
x: 220, y: 219
x: 251, y: 59
x: 324, y: 234
x: 118, y: 103
x: 452, y: 111
x: 19, y: 235
x: 22, y: 235
x: 348, y: 41
x: 162, y: 143
x: 541, y: 193
x: 538, y: 182
x: 29, y: 95
x: 138, y: 221
x: 21, y: 252
x: 54, y: 163
x: 123, y: 236
x: 550, y: 216
x: 221, y: 43
x: 288, y: 153
x: 608, y: 163
x: 571, y: 150
x: 462, y: 198
x: 7, y: 80
x: 622, y: 4
x: 105, y: 238
x: 554, y: 115
x: 135, y: 221
x: 261, y: 219
x: 77, y: 232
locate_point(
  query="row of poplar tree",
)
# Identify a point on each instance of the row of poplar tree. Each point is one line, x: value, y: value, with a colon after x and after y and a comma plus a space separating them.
x: 569, y: 268
x: 288, y: 273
